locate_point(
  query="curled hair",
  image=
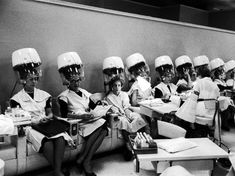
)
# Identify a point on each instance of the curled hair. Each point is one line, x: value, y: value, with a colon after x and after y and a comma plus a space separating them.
x: 203, y: 71
x: 115, y: 79
x: 113, y: 70
x: 71, y: 70
x: 181, y: 70
x: 26, y: 69
x: 138, y: 69
x: 164, y: 70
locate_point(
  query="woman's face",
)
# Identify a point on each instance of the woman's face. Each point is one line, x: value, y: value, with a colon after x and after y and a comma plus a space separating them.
x: 31, y: 82
x: 117, y: 87
x: 75, y: 84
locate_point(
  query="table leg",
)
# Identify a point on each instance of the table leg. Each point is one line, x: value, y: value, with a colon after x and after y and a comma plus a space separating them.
x: 212, y: 171
x: 155, y: 163
x: 137, y: 166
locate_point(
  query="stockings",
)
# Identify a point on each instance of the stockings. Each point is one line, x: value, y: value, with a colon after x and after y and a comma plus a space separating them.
x: 53, y: 150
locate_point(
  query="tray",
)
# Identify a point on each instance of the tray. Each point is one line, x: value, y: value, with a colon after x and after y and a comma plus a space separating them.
x: 141, y: 150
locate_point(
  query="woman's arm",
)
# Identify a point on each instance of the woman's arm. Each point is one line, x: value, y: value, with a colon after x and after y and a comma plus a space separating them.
x: 63, y: 108
x: 48, y: 109
x: 158, y: 93
x: 134, y: 98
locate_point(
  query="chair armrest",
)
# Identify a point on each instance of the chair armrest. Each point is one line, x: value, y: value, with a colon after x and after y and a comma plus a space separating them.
x: 112, y: 120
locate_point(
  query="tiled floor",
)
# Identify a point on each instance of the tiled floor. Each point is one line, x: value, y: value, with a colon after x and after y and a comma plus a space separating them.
x: 114, y: 165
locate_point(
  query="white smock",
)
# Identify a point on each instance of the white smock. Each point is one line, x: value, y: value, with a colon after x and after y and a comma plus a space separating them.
x: 120, y: 103
x: 36, y: 107
x: 80, y: 105
x: 143, y: 88
x: 165, y: 90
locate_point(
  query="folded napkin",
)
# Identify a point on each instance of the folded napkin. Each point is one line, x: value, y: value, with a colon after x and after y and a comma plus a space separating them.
x: 176, y: 145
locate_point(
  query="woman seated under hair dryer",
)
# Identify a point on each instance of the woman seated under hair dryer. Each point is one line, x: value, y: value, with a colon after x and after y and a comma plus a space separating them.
x: 194, y: 110
x: 185, y: 71
x: 26, y: 62
x: 137, y: 69
x: 229, y: 68
x: 226, y: 103
x: 112, y: 66
x: 165, y: 89
x: 75, y: 102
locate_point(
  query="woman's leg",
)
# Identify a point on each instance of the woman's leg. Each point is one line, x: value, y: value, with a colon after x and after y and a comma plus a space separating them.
x: 87, y: 145
x: 48, y: 151
x: 53, y: 150
x: 93, y: 146
x: 127, y: 153
x: 59, y: 148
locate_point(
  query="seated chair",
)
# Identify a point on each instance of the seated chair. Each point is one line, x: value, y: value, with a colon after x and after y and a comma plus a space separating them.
x: 20, y: 157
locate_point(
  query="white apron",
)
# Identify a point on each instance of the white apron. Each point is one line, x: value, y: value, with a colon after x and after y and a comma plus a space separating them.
x: 36, y: 107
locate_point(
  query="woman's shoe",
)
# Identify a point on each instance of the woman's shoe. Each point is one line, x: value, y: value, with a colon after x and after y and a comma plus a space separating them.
x: 89, y: 173
x: 66, y: 172
x: 79, y: 167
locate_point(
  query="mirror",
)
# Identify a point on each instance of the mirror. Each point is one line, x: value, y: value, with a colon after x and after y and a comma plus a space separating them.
x: 212, y: 13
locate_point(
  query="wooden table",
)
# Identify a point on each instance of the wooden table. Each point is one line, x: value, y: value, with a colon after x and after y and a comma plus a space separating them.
x: 205, y: 151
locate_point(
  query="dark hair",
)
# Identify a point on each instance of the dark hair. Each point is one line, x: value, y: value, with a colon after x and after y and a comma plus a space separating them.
x: 181, y: 70
x: 218, y: 72
x: 70, y: 70
x: 162, y: 70
x: 115, y: 79
x: 113, y: 70
x: 203, y: 71
x: 25, y: 69
x: 135, y: 68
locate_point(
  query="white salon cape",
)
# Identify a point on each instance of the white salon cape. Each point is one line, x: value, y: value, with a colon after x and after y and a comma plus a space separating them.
x: 36, y: 107
x: 79, y: 105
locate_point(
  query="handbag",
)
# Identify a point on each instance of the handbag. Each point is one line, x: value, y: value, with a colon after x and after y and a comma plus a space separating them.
x: 52, y: 127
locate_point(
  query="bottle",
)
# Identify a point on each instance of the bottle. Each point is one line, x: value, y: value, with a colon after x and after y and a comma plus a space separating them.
x: 8, y: 112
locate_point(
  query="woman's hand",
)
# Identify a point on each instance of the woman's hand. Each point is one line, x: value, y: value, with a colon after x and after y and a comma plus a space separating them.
x: 87, y: 116
x: 71, y: 143
x: 44, y: 120
x: 128, y: 115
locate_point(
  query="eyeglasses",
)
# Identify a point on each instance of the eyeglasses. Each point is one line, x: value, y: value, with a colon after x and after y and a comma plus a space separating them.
x: 33, y: 79
x: 73, y: 81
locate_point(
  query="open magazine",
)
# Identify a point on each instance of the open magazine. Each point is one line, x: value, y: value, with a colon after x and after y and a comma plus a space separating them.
x: 99, y: 112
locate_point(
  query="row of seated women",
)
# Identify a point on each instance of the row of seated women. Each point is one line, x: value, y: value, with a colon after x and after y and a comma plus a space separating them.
x: 75, y: 101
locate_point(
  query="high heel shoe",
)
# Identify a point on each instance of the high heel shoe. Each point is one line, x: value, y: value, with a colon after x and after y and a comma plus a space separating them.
x: 66, y: 172
x: 79, y: 167
x: 89, y: 173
